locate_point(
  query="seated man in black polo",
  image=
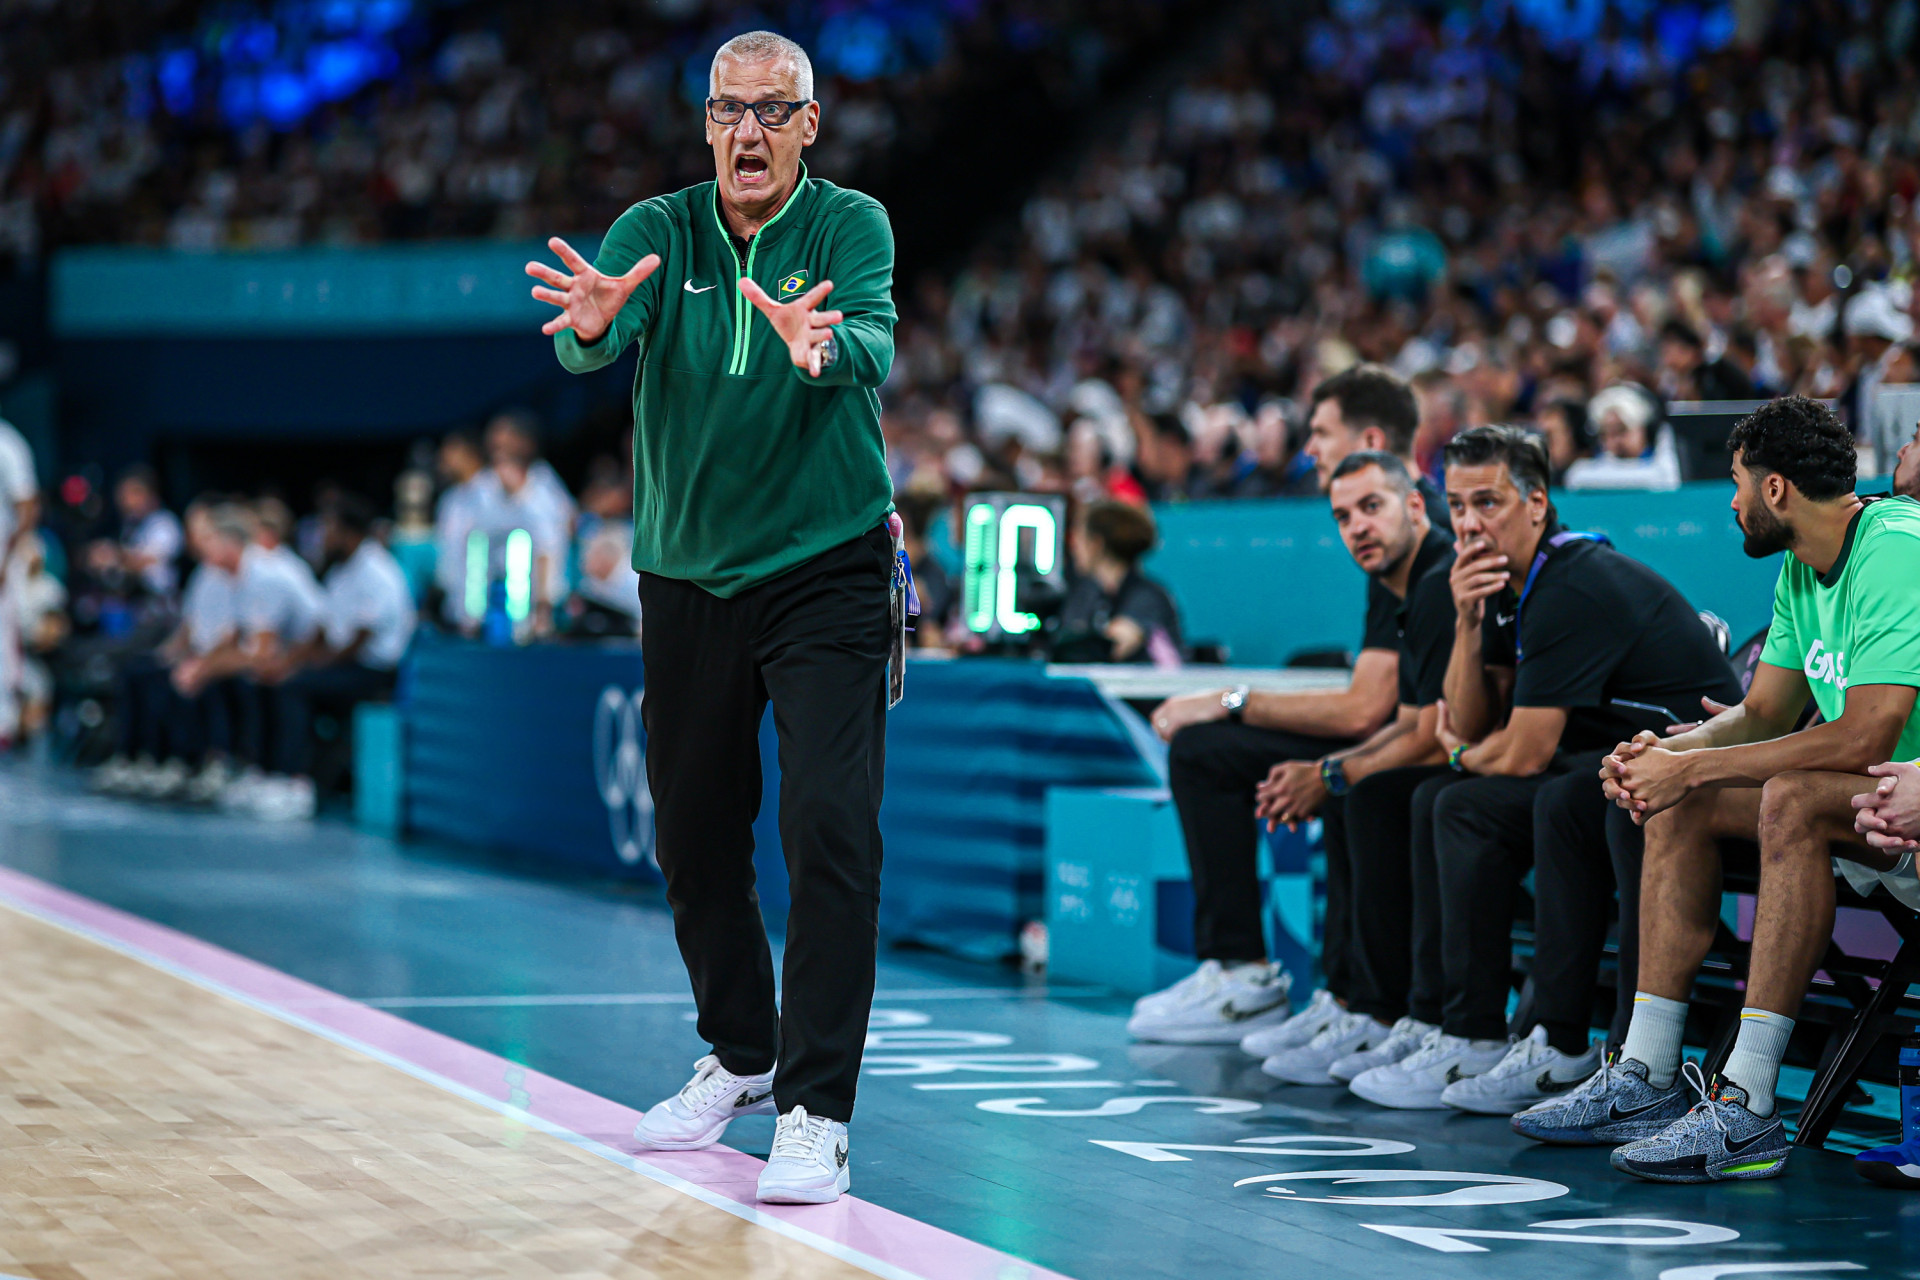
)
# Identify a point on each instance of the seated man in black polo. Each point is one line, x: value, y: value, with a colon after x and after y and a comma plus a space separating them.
x: 1226, y: 742
x: 1377, y: 507
x: 1560, y: 644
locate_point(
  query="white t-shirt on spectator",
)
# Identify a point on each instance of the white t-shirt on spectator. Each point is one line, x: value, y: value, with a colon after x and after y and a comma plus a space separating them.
x: 1659, y: 470
x: 157, y: 534
x: 277, y: 594
x: 17, y: 479
x: 368, y: 592
x: 207, y: 608
x: 542, y: 508
x: 454, y: 517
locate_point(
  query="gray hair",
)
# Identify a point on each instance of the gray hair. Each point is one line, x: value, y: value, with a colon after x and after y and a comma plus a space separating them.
x: 232, y: 522
x: 764, y: 46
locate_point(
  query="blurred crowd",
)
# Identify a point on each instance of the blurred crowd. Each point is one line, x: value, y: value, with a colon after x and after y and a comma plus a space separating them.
x: 267, y: 123
x: 1567, y: 228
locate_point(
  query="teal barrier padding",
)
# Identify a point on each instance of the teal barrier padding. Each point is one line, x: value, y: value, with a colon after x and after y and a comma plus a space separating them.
x: 378, y: 766
x: 458, y: 287
x: 1272, y: 579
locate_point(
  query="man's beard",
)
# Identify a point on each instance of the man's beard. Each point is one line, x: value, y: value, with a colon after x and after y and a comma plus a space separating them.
x: 1766, y: 534
x: 1393, y: 558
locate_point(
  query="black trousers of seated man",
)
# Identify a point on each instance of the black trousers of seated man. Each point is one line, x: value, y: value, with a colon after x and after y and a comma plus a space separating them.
x: 1483, y: 833
x: 158, y: 721
x: 814, y: 643
x: 1398, y: 968
x: 1213, y: 770
x: 290, y: 706
x: 1584, y: 849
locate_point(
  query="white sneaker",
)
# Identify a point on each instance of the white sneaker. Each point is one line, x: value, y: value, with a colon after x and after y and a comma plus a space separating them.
x: 696, y: 1116
x: 1213, y: 1005
x: 1403, y: 1040
x: 1532, y: 1071
x: 111, y: 778
x: 1297, y: 1030
x: 1416, y: 1082
x: 206, y: 786
x: 281, y: 799
x: 237, y: 796
x: 1344, y: 1036
x: 164, y: 781
x: 808, y: 1164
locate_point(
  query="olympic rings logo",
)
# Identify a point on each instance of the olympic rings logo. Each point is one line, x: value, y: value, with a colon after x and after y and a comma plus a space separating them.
x: 620, y: 769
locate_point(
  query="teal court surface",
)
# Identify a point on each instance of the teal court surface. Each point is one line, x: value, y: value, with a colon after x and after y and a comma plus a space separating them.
x: 1006, y: 1127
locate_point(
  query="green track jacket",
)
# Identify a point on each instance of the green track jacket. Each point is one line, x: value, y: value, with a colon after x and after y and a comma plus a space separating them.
x: 744, y: 465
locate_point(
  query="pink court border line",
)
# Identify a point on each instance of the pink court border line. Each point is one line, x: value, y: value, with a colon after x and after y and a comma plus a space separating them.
x: 856, y: 1231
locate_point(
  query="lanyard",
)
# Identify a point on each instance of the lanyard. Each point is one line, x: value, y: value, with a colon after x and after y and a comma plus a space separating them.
x: 1557, y: 541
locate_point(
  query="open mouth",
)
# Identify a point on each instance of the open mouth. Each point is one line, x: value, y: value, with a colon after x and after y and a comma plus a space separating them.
x: 750, y: 168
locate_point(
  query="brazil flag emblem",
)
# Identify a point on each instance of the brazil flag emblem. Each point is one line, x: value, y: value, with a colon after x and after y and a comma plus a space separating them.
x: 793, y: 284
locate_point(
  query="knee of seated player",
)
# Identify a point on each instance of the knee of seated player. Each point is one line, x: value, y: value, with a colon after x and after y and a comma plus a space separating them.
x: 1457, y: 840
x: 1797, y: 817
x: 1194, y: 749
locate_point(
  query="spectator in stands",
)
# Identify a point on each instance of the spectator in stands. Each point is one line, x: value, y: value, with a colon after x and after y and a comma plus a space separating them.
x: 1687, y: 374
x: 938, y: 595
x: 176, y: 708
x: 1563, y: 425
x: 1637, y: 449
x: 1845, y: 630
x: 150, y: 538
x: 455, y: 515
x: 606, y: 601
x: 366, y: 622
x: 1535, y: 691
x: 1113, y: 612
x: 1224, y: 742
x: 19, y: 515
x: 519, y: 490
x: 1362, y: 795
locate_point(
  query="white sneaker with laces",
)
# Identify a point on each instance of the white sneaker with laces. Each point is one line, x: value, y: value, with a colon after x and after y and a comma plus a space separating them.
x: 111, y: 778
x: 1296, y: 1031
x: 282, y: 799
x: 695, y: 1117
x: 237, y: 796
x: 165, y: 781
x: 205, y: 786
x: 1347, y: 1034
x: 1532, y: 1071
x: 1213, y: 1005
x: 808, y: 1164
x: 1416, y: 1082
x: 1401, y: 1041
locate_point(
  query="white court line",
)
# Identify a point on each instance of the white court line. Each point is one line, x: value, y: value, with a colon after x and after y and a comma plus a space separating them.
x: 654, y: 997
x: 1027, y: 1084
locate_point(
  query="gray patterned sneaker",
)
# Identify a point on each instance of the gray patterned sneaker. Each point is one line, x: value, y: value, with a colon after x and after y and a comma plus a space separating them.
x: 1718, y: 1141
x: 1615, y: 1105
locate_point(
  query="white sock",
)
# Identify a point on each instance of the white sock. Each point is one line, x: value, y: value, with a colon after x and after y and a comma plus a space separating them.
x: 1755, y: 1062
x: 1653, y: 1037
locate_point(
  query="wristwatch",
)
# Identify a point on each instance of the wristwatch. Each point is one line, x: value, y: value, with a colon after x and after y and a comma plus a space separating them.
x: 1333, y: 776
x: 1235, y: 701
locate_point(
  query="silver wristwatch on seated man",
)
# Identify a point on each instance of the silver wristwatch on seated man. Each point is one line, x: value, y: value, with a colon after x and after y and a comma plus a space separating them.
x: 1235, y: 701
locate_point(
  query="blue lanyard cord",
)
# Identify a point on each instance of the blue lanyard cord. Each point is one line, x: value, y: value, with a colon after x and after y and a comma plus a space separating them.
x: 1554, y: 543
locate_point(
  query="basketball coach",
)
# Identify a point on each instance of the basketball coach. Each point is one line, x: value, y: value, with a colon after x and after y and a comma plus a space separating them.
x: 761, y: 500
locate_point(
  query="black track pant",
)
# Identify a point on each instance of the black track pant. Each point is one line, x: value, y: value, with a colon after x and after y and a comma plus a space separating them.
x: 814, y: 642
x: 1575, y: 872
x: 1483, y: 834
x: 1396, y: 894
x: 1213, y: 769
x: 336, y: 689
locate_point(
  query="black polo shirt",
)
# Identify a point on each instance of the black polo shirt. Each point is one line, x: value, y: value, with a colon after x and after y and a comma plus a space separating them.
x: 1425, y: 623
x: 1382, y: 626
x: 1609, y: 640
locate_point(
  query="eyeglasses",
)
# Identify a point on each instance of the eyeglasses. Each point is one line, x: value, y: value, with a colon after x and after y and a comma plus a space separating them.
x: 724, y: 111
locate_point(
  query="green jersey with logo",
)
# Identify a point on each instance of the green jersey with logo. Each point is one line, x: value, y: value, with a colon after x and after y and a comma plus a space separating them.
x: 744, y: 465
x: 1859, y: 623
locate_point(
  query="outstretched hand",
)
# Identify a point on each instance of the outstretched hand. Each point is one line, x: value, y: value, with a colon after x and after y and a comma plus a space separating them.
x: 588, y: 300
x: 803, y: 329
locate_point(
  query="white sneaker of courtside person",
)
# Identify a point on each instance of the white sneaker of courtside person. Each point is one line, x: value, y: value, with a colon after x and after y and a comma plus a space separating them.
x: 1296, y: 1031
x: 808, y: 1164
x: 696, y: 1116
x: 1416, y: 1082
x: 277, y: 798
x: 1401, y: 1041
x: 1215, y: 1004
x: 1532, y: 1071
x: 1347, y: 1034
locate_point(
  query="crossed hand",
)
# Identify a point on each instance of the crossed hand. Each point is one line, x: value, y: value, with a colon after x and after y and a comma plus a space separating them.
x: 1643, y: 777
x: 589, y: 300
x: 1889, y: 815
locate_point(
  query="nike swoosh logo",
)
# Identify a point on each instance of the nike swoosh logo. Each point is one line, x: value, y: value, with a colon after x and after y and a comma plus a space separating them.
x: 1547, y: 1084
x: 840, y: 1157
x: 1615, y: 1114
x: 690, y: 289
x: 1232, y: 1014
x: 1453, y: 1074
x: 1502, y: 619
x: 1735, y: 1148
x: 747, y: 1099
